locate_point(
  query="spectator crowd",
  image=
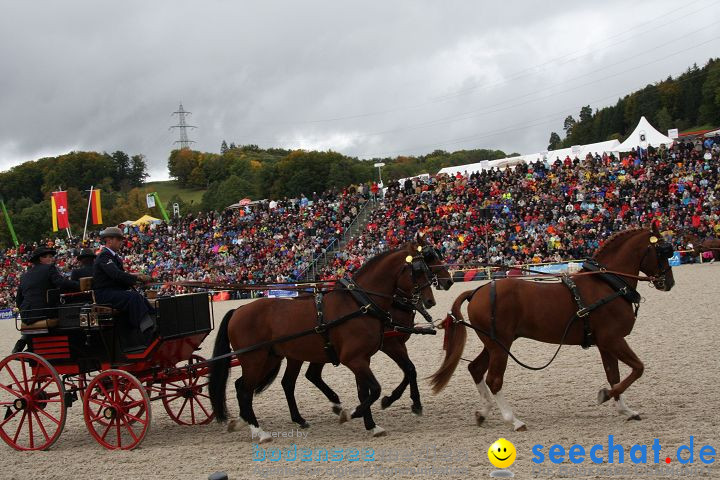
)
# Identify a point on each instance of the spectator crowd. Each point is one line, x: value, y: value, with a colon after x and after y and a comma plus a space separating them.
x: 267, y: 242
x: 546, y: 211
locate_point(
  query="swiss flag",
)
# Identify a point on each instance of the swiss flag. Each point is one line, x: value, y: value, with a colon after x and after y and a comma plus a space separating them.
x: 60, y: 210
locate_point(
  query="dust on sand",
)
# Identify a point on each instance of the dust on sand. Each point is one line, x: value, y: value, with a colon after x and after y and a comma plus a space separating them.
x: 676, y: 336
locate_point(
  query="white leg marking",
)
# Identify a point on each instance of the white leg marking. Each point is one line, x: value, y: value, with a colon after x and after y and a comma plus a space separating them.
x: 485, y: 398
x: 623, y: 409
x: 257, y: 433
x: 507, y: 412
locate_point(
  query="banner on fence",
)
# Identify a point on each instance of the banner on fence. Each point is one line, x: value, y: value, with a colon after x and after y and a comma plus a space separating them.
x: 283, y: 293
x: 555, y: 268
x: 7, y: 314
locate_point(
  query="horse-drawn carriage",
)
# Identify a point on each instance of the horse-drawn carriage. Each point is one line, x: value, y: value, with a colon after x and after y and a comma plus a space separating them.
x: 86, y: 353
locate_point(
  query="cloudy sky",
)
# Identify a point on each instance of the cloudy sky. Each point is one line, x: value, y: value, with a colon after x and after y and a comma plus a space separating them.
x: 370, y: 78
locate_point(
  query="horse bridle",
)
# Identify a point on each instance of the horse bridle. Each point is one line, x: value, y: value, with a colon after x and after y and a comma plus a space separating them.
x: 418, y: 266
x: 662, y: 250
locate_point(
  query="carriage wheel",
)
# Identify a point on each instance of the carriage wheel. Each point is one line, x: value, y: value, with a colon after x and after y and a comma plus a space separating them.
x: 32, y: 402
x: 186, y: 400
x: 116, y: 408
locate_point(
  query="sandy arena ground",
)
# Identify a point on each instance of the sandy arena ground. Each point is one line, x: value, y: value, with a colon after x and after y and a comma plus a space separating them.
x: 676, y: 336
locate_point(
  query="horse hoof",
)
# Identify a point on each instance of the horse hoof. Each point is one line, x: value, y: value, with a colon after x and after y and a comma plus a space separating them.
x: 521, y: 428
x: 634, y: 417
x: 385, y: 402
x: 304, y: 424
x: 479, y: 418
x: 337, y: 408
x: 235, y: 425
x: 417, y: 410
x: 378, y: 432
x: 603, y: 396
x: 265, y: 439
x: 343, y: 416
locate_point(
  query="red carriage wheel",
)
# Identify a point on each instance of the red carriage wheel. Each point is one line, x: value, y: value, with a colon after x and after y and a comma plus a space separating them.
x: 187, y: 400
x: 32, y: 402
x: 116, y: 408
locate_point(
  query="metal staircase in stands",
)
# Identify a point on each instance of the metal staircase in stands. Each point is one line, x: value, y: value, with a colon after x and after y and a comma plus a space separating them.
x: 357, y: 225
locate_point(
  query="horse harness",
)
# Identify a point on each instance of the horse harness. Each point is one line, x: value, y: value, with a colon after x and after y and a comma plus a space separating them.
x: 369, y: 307
x: 618, y: 284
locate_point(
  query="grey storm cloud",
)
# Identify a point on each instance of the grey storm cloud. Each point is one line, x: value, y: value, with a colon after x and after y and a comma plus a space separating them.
x: 364, y: 78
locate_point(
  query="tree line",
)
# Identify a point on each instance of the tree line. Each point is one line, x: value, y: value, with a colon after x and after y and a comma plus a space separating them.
x: 249, y: 171
x: 26, y: 190
x: 688, y: 101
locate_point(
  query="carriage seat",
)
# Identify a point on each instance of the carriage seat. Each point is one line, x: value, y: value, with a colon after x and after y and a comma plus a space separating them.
x: 40, y: 324
x: 85, y: 284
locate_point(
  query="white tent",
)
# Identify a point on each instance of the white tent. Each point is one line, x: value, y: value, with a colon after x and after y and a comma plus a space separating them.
x: 643, y: 136
x: 581, y: 151
x: 466, y: 169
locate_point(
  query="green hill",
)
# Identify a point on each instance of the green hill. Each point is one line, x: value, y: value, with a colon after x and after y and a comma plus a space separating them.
x: 169, y: 188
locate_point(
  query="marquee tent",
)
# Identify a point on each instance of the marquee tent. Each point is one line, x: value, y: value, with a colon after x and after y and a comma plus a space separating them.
x: 643, y: 136
x: 146, y: 219
x: 581, y: 151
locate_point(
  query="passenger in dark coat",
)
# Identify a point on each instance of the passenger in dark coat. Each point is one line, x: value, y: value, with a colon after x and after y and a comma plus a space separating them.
x: 31, y: 298
x: 85, y: 260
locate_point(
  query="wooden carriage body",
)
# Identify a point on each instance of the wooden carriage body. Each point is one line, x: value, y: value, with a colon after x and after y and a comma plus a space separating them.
x: 89, y: 354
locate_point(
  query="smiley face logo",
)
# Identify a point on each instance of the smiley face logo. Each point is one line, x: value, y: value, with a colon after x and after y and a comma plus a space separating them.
x: 502, y: 453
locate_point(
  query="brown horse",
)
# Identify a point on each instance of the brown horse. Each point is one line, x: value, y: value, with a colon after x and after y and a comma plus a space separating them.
x: 710, y: 244
x: 586, y: 308
x: 403, y: 314
x: 346, y: 324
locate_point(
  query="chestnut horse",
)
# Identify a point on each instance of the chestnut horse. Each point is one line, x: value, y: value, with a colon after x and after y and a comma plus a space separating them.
x: 710, y: 244
x: 586, y: 308
x: 346, y: 324
x: 403, y: 314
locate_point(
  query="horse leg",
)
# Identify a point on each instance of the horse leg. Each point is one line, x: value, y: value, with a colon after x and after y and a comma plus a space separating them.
x: 368, y: 392
x: 494, y: 381
x: 292, y: 370
x: 622, y: 351
x: 612, y: 372
x: 478, y: 368
x: 398, y: 353
x: 314, y: 374
x: 370, y: 425
x: 245, y: 388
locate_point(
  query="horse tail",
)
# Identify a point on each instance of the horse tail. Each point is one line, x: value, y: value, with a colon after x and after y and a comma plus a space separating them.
x: 220, y: 369
x: 455, y: 336
x: 269, y: 379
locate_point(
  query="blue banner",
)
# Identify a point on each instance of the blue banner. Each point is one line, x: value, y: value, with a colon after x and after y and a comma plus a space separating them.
x: 283, y: 293
x: 7, y: 314
x: 675, y: 260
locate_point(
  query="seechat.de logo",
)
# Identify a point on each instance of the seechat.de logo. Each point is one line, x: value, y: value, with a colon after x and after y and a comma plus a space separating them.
x: 613, y: 452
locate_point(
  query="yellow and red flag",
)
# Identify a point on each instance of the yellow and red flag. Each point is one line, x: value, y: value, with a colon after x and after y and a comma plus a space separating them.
x: 96, y: 207
x: 60, y: 218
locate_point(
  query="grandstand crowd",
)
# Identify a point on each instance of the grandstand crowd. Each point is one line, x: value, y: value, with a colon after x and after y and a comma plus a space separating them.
x: 547, y: 211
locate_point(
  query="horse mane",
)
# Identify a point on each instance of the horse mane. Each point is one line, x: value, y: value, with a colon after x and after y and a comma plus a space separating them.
x: 377, y: 258
x: 614, y: 237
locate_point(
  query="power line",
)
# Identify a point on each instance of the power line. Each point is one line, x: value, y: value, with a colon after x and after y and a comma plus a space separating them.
x: 491, y: 133
x: 518, y: 74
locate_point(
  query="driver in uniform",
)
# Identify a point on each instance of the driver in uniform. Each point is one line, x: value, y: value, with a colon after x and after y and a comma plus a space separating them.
x: 113, y: 286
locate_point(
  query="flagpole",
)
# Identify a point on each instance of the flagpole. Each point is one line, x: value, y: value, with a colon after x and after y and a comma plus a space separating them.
x: 87, y: 214
x: 9, y: 223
